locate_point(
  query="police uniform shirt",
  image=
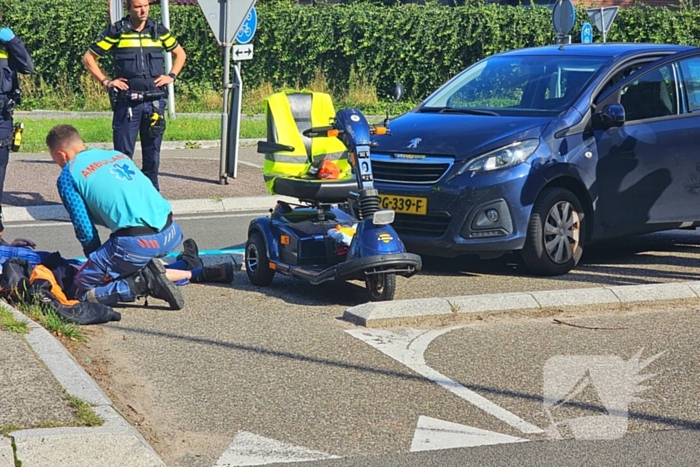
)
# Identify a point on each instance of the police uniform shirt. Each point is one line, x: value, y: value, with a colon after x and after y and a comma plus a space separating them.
x: 138, y: 55
x: 14, y: 59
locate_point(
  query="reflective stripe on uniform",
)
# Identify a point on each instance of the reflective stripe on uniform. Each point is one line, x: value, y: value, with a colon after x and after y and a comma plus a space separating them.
x: 169, y: 42
x: 125, y: 42
x: 106, y: 43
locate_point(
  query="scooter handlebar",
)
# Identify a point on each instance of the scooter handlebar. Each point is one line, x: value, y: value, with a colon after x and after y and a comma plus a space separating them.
x: 265, y: 147
x: 322, y: 131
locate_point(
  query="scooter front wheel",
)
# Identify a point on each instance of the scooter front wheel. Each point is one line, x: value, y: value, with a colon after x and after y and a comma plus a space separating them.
x: 381, y: 287
x: 257, y: 261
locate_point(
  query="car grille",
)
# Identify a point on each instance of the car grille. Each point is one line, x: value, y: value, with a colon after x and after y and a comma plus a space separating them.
x: 421, y: 226
x: 411, y: 171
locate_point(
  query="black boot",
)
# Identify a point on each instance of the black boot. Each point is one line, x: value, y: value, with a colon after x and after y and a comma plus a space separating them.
x: 219, y: 273
x: 152, y: 282
x: 190, y: 255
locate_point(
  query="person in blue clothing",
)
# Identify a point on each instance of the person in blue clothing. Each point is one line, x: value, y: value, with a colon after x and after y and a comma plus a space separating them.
x: 14, y: 59
x: 139, y: 85
x: 102, y: 187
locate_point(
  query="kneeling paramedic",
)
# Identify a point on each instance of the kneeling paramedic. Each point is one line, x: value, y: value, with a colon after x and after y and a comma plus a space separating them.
x: 106, y: 188
x: 14, y: 59
x: 138, y: 89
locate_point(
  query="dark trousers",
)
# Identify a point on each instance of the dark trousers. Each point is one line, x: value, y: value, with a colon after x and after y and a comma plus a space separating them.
x: 5, y: 132
x: 126, y: 127
x: 103, y: 277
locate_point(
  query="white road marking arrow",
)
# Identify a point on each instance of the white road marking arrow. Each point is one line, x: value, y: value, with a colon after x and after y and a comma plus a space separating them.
x: 408, y: 346
x: 251, y: 449
x: 432, y: 434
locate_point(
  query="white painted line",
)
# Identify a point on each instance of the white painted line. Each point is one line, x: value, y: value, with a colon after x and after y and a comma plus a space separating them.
x: 251, y: 164
x: 179, y: 218
x: 408, y: 346
x: 432, y: 434
x: 251, y: 449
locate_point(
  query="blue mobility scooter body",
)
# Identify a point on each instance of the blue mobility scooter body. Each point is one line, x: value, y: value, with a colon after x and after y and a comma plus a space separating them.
x: 305, y: 240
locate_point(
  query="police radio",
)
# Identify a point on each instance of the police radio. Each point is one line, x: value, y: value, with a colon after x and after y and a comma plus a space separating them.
x: 17, y: 137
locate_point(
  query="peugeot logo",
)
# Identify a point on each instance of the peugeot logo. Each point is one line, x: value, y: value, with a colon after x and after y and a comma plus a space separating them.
x: 413, y: 144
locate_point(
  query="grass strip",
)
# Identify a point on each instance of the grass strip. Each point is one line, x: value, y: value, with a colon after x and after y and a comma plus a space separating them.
x: 9, y: 323
x: 99, y: 130
x: 47, y: 317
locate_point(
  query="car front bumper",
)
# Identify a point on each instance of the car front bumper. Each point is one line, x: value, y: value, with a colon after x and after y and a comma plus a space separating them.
x: 485, y: 213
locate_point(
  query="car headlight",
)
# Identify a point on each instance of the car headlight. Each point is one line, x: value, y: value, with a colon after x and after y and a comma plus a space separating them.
x: 502, y: 158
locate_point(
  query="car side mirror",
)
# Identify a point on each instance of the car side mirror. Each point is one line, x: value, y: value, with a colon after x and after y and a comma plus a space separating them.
x: 398, y: 94
x: 612, y: 115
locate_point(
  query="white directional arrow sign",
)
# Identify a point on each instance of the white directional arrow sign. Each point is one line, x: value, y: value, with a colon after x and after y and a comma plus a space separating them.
x: 433, y: 433
x: 225, y: 17
x: 242, y: 52
x: 251, y: 449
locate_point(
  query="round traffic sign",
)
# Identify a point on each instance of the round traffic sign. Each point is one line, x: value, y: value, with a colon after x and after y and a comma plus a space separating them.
x: 247, y: 30
x: 586, y: 33
x: 563, y: 17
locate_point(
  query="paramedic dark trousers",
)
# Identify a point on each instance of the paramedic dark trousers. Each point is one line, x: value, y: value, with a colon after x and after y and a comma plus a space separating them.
x: 127, y: 125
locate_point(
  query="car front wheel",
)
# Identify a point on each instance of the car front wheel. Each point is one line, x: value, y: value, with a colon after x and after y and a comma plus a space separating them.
x: 556, y: 233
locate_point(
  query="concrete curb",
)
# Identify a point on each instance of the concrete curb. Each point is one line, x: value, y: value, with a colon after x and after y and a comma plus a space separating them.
x: 401, y: 311
x: 7, y: 456
x: 116, y: 443
x: 180, y: 206
x: 197, y: 144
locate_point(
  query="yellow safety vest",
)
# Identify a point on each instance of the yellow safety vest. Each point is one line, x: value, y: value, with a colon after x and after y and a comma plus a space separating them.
x: 282, y: 128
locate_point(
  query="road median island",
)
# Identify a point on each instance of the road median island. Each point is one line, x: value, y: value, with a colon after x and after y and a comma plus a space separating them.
x: 540, y: 304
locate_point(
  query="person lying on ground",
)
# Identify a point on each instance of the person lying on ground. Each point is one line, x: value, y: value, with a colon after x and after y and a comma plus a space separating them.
x: 106, y: 188
x: 188, y: 266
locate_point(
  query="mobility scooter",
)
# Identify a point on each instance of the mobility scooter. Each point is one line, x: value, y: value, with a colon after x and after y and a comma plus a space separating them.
x: 337, y: 231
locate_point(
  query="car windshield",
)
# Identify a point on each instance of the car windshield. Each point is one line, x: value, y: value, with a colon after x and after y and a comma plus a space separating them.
x: 517, y: 85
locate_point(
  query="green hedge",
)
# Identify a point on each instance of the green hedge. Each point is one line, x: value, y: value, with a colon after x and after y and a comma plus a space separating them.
x: 421, y: 46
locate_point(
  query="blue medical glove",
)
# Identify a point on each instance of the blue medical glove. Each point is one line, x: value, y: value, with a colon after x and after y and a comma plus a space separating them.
x: 6, y: 35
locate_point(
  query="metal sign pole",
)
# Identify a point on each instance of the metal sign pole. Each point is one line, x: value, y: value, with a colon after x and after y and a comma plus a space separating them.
x: 602, y: 18
x: 224, y: 113
x: 165, y: 15
x: 116, y: 10
x: 219, y: 13
x: 232, y: 159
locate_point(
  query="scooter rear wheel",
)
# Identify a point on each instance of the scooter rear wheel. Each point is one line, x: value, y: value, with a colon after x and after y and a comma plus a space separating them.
x: 381, y: 287
x: 257, y: 261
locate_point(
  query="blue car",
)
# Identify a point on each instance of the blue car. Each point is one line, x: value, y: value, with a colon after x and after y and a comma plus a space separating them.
x: 546, y: 150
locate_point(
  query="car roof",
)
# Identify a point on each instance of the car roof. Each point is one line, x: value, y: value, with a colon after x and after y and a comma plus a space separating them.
x: 609, y: 49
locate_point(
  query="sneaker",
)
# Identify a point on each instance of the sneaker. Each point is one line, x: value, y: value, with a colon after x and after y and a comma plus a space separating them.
x: 159, y: 286
x: 219, y: 273
x: 190, y: 254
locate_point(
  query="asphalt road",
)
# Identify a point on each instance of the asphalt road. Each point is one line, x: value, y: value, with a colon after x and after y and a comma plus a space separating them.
x: 662, y: 257
x: 242, y: 368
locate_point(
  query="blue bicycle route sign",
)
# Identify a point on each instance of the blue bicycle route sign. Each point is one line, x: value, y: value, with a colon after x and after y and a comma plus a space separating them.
x: 586, y: 33
x: 247, y: 30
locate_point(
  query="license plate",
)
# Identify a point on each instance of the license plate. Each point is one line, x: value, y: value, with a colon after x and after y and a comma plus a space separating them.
x: 405, y: 204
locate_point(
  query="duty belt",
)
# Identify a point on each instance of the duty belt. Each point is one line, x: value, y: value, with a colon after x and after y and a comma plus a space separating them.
x: 139, y: 96
x: 6, y: 142
x: 142, y: 230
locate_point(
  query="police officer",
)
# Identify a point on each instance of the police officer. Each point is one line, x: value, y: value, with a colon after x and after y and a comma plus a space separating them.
x: 14, y: 59
x: 138, y: 89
